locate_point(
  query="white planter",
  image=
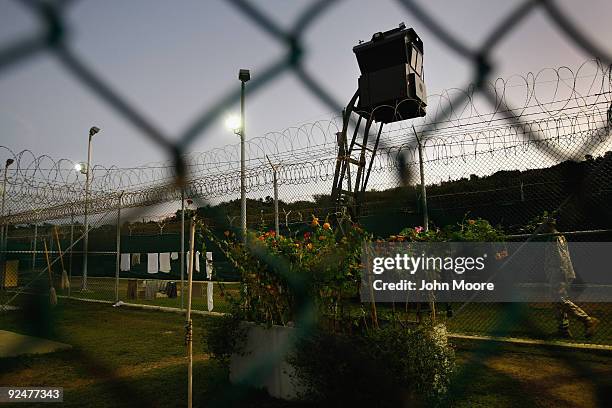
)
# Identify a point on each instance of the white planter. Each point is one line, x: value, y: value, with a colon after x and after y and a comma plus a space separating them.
x: 262, y: 361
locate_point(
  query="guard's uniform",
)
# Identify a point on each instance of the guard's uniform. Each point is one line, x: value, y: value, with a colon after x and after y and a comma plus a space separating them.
x: 560, y: 274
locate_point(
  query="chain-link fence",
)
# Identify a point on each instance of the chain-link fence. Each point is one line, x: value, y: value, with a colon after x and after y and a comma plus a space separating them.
x: 475, y: 166
x: 507, y: 165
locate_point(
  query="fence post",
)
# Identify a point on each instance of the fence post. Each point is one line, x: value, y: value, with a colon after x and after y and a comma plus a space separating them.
x: 275, y: 182
x: 423, y: 189
x: 182, y: 242
x: 71, y: 245
x: 118, y: 256
x: 189, y: 324
x: 6, y: 233
x: 34, y: 245
x: 3, y: 248
x: 276, y: 224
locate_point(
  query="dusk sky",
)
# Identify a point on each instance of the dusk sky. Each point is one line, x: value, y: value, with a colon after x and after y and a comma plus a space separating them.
x: 173, y: 60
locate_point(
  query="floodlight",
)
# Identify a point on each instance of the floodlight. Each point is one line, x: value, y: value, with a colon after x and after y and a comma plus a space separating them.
x: 233, y: 122
x: 81, y: 167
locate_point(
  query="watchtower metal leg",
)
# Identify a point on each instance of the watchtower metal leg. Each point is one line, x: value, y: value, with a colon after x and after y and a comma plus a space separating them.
x: 352, y: 198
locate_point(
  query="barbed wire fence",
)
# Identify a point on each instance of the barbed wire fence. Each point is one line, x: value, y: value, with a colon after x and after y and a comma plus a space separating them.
x: 46, y: 202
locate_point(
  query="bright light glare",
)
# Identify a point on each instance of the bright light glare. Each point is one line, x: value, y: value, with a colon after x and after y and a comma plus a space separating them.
x: 78, y: 167
x: 233, y: 122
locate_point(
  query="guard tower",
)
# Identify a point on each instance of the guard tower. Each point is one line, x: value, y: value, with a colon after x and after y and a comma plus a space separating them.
x: 390, y: 89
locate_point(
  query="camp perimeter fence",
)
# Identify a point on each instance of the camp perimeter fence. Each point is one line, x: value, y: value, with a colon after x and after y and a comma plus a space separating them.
x: 132, y: 262
x: 484, y: 172
x: 550, y: 153
x: 167, y: 289
x: 476, y: 164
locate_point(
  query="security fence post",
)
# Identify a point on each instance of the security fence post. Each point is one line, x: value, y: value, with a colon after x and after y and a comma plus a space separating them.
x: 182, y: 242
x: 118, y: 241
x: 275, y: 182
x: 276, y: 225
x: 71, y: 245
x: 189, y: 323
x: 423, y: 188
x: 34, y: 244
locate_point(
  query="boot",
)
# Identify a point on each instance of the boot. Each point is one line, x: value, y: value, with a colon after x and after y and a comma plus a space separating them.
x: 564, y: 332
x: 590, y: 326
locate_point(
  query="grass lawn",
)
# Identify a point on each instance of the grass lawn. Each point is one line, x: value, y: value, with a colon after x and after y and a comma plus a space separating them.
x: 518, y: 320
x: 104, y: 289
x: 530, y: 321
x: 127, y: 357
x: 121, y: 357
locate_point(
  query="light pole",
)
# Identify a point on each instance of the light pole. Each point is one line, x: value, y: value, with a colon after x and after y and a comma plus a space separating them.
x: 243, y: 75
x: 4, y: 236
x: 94, y: 130
x: 238, y: 126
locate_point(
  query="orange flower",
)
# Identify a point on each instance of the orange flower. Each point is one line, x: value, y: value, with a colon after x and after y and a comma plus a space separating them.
x: 471, y: 222
x: 326, y: 226
x: 321, y: 237
x: 501, y: 255
x: 315, y: 222
x: 309, y: 246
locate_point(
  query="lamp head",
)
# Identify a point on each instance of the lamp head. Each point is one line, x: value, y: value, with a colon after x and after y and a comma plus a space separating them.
x: 81, y: 168
x: 234, y: 123
x: 244, y: 75
x: 93, y: 130
x: 9, y: 162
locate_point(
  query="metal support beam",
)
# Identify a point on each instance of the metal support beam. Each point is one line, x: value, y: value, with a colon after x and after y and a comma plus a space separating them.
x: 189, y: 323
x: 353, y: 195
x: 34, y: 246
x: 118, y: 242
x: 70, y: 258
x: 182, y: 243
x: 423, y: 188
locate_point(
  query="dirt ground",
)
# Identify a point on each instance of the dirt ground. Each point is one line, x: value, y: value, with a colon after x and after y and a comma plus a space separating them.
x: 547, y: 377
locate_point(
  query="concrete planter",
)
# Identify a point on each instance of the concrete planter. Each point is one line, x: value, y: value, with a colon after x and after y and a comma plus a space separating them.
x: 262, y: 361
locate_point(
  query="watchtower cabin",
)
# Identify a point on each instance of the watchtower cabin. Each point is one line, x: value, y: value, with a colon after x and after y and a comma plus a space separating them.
x: 391, y: 84
x: 391, y: 89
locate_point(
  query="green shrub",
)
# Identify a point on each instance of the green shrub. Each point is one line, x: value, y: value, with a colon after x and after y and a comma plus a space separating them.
x: 225, y: 336
x: 393, y: 366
